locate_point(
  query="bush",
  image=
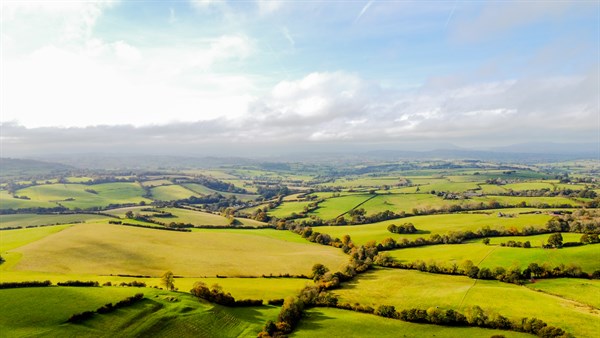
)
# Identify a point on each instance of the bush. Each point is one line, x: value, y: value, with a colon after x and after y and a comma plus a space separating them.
x: 78, y: 283
x: 28, y: 284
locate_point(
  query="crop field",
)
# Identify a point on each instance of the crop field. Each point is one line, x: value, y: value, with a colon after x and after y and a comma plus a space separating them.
x: 171, y: 193
x: 534, y: 201
x: 288, y: 208
x: 114, y: 249
x: 163, y: 313
x: 580, y: 290
x: 407, y: 289
x: 433, y: 224
x: 327, y: 322
x: 76, y: 196
x: 491, y: 256
x: 24, y: 220
x: 336, y: 206
x: 202, y: 190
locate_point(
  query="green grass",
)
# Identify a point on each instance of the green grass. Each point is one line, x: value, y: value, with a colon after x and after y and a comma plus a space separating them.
x: 7, y: 201
x: 580, y: 290
x: 492, y: 256
x: 171, y: 193
x: 492, y: 189
x: 202, y: 190
x: 404, y: 202
x: 407, y: 289
x: 333, y: 207
x: 23, y: 220
x: 528, y: 186
x: 287, y: 208
x: 10, y: 239
x: 448, y: 186
x: 104, y: 249
x: 156, y: 183
x: 200, y: 218
x: 160, y: 314
x: 107, y: 193
x: 327, y: 322
x: 431, y: 224
x: 534, y: 201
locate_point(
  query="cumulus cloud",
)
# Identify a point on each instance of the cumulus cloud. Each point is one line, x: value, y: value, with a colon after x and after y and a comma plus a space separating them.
x: 341, y: 108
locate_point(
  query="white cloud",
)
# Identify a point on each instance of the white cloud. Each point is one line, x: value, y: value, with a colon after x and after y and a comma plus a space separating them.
x: 269, y: 6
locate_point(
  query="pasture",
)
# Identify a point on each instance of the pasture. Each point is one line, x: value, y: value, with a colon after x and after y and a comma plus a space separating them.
x: 491, y: 256
x: 24, y: 220
x: 331, y: 322
x: 202, y: 190
x: 172, y: 193
x: 113, y: 249
x: 160, y: 313
x: 407, y: 289
x: 433, y: 224
x: 580, y: 290
x: 286, y: 209
x: 336, y: 206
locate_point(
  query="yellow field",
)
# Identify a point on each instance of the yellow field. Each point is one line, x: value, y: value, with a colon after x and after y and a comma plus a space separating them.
x: 104, y: 249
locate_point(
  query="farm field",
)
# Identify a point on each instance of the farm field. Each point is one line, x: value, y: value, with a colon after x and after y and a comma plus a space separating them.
x: 336, y: 206
x: 327, y: 322
x: 407, y: 289
x: 113, y: 249
x: 580, y: 290
x: 433, y: 224
x: 76, y: 196
x: 198, y: 218
x: 171, y: 193
x: 286, y: 209
x: 202, y: 190
x: 24, y: 220
x: 492, y: 256
x: 164, y: 313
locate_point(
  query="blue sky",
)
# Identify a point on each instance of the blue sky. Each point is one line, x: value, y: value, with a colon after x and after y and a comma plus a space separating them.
x: 303, y: 72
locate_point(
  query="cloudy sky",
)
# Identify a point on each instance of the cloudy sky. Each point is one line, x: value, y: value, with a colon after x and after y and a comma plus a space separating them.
x: 209, y: 77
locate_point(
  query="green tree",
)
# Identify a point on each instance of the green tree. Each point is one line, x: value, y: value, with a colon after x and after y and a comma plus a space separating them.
x: 555, y: 240
x: 318, y: 270
x: 168, y: 280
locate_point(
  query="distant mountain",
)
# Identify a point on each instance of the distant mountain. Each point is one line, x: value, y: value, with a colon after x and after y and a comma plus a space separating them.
x: 15, y: 168
x: 550, y: 148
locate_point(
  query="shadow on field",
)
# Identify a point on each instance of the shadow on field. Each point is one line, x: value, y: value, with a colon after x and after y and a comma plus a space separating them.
x: 314, y: 320
x: 370, y: 275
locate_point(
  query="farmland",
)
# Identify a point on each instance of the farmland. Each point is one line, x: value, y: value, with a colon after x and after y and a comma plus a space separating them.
x: 266, y: 243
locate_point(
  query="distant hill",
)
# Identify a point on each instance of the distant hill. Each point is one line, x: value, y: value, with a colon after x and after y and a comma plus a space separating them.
x: 11, y: 168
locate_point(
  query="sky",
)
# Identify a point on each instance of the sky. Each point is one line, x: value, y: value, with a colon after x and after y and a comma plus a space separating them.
x: 225, y: 77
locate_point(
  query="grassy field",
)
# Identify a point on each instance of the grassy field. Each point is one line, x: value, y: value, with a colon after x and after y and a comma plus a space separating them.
x: 112, y: 249
x: 327, y: 322
x: 23, y: 220
x: 534, y: 201
x: 105, y: 194
x: 407, y: 289
x: 202, y: 190
x: 171, y: 193
x: 161, y: 313
x: 287, y: 208
x: 580, y: 290
x: 333, y: 207
x: 404, y: 202
x: 491, y: 256
x: 7, y: 201
x: 201, y: 218
x: 156, y: 183
x: 492, y: 189
x: 431, y: 224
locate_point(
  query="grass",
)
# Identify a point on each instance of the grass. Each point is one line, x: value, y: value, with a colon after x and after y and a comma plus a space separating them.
x: 328, y: 322
x: 407, y: 289
x: 7, y: 201
x: 534, y: 201
x: 23, y: 220
x: 492, y: 189
x: 334, y: 207
x: 160, y: 314
x: 404, y: 202
x: 528, y: 186
x: 107, y: 193
x: 288, y: 208
x: 440, y: 224
x: 201, y: 218
x: 104, y: 249
x: 581, y: 290
x: 492, y: 256
x: 202, y: 190
x: 10, y: 239
x: 156, y: 183
x: 171, y: 193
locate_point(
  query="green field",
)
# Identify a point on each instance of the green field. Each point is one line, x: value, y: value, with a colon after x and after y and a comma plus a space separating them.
x: 405, y: 203
x: 113, y: 249
x: 286, y: 209
x: 336, y: 206
x: 202, y: 190
x: 23, y: 220
x: 199, y: 218
x: 76, y: 196
x: 534, y: 201
x: 327, y: 322
x: 528, y: 186
x: 171, y: 193
x: 580, y: 290
x: 407, y: 289
x: 156, y: 183
x: 433, y: 224
x: 161, y: 313
x: 492, y: 256
x: 7, y: 201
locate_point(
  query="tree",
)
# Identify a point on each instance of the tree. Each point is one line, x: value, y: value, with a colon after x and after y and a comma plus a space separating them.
x: 555, y: 240
x: 486, y: 241
x: 129, y: 214
x: 167, y: 280
x: 318, y: 270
